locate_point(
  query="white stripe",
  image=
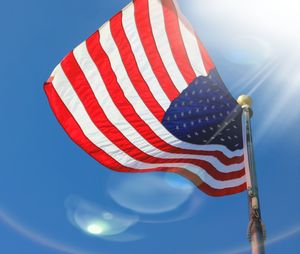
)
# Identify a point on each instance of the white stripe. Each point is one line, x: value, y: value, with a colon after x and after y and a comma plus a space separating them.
x: 192, y: 50
x: 69, y: 97
x: 191, y: 45
x: 96, y: 82
x: 162, y: 42
x: 109, y: 46
x: 145, y: 68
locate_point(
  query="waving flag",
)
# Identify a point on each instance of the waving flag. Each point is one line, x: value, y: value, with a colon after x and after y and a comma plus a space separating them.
x: 141, y: 94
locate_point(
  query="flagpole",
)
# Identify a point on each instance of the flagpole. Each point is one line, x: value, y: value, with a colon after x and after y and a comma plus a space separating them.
x: 256, y: 230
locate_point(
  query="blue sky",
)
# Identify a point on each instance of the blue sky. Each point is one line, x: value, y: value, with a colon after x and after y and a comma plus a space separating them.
x: 52, y: 194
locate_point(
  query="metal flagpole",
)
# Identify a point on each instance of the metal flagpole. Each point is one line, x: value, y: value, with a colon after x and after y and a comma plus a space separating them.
x: 256, y: 228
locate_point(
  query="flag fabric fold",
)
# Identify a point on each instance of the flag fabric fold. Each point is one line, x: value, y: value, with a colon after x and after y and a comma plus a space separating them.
x: 141, y: 94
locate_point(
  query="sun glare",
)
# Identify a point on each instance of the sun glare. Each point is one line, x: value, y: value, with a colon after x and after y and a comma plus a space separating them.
x: 277, y: 18
x: 263, y: 37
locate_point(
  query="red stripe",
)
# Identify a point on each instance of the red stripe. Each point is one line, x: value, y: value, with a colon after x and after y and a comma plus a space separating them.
x: 222, y: 192
x: 74, y: 131
x: 81, y: 86
x: 205, y: 187
x: 117, y: 95
x: 142, y: 19
x: 176, y: 41
x: 132, y: 68
x: 207, y: 61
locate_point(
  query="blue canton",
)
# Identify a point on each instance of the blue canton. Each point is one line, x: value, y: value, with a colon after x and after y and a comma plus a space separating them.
x: 206, y: 113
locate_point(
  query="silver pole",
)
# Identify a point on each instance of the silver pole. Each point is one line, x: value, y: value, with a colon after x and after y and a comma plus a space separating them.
x: 256, y: 230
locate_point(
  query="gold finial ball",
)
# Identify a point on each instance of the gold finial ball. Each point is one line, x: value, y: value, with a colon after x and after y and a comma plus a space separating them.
x: 245, y: 101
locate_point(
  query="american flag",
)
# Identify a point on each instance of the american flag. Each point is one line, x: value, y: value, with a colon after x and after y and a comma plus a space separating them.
x: 141, y: 94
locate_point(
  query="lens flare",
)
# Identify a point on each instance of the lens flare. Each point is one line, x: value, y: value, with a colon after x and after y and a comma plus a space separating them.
x: 96, y: 221
x: 95, y: 228
x: 151, y: 193
x: 39, y: 238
